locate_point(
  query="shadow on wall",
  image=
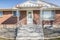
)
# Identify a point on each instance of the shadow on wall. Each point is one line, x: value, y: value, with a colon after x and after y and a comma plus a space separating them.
x: 11, y: 20
x: 23, y: 17
x: 57, y: 20
x: 36, y: 16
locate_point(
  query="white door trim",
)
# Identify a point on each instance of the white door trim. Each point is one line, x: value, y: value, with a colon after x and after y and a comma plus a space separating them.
x: 29, y: 20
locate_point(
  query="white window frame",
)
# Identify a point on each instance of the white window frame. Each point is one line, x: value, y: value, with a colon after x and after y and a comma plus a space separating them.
x: 50, y: 12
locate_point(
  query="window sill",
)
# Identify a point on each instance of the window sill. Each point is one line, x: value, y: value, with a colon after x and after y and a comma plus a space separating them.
x: 14, y: 16
x: 47, y: 19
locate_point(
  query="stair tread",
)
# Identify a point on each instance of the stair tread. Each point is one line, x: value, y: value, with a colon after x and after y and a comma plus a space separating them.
x: 30, y: 31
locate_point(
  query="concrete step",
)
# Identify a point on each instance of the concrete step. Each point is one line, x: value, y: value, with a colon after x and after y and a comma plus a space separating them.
x: 31, y: 38
x: 30, y: 32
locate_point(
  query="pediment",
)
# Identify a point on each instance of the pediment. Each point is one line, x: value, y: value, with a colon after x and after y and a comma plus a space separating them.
x: 36, y: 4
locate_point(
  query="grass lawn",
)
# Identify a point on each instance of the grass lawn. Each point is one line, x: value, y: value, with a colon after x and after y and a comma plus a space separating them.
x: 5, y: 39
x: 12, y: 39
x: 55, y: 39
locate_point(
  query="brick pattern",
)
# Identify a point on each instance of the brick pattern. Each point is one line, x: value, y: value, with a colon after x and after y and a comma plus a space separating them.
x: 23, y: 17
x: 57, y: 17
x: 9, y: 19
x: 36, y: 16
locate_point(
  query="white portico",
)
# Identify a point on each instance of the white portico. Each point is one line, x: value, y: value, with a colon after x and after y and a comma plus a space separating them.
x: 30, y: 6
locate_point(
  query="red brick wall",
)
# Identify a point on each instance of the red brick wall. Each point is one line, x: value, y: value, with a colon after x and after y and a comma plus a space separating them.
x: 36, y: 16
x: 57, y: 17
x: 7, y: 18
x: 23, y: 17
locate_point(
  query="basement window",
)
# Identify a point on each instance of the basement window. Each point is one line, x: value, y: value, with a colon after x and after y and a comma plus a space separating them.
x: 1, y: 14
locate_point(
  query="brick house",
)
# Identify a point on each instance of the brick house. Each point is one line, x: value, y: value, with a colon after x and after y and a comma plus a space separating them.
x: 31, y: 12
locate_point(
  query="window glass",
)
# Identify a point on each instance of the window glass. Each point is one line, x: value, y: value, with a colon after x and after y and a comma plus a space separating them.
x: 48, y: 15
x: 1, y: 14
x: 30, y: 15
x: 14, y: 13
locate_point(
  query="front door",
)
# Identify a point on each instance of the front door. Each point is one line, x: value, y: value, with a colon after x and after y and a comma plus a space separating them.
x: 29, y: 17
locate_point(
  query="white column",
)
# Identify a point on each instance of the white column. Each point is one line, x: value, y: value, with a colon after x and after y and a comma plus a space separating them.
x: 41, y: 19
x: 18, y: 14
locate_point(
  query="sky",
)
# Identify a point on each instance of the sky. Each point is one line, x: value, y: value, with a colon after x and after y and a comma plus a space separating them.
x: 12, y: 3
